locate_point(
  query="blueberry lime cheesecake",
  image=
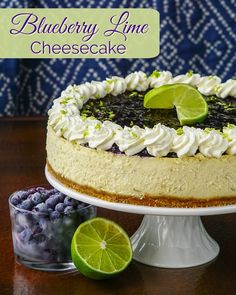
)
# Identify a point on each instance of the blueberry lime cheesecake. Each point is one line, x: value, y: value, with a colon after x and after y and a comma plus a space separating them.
x: 43, y: 224
x: 155, y: 140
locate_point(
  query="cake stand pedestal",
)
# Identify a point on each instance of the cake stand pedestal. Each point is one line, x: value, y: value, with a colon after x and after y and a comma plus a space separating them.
x: 167, y: 237
x: 173, y: 242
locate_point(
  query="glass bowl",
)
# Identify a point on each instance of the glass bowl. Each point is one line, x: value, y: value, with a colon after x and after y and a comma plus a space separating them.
x: 42, y: 229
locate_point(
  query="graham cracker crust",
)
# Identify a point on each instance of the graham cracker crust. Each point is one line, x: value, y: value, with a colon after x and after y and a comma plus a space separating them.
x: 171, y: 202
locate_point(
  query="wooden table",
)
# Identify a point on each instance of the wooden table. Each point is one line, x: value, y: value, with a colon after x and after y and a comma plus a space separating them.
x: 22, y: 162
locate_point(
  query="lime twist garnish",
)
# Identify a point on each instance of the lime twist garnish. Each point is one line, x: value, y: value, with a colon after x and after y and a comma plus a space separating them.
x: 100, y: 248
x: 190, y: 105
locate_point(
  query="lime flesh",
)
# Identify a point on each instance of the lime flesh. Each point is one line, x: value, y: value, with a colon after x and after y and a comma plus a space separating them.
x: 190, y: 105
x: 100, y: 248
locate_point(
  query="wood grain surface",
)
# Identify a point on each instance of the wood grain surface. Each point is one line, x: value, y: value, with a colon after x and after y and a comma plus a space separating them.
x: 22, y: 162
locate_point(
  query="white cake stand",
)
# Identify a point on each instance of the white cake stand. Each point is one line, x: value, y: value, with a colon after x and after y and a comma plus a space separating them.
x: 167, y: 237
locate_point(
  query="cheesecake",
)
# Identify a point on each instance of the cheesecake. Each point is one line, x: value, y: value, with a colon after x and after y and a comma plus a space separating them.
x: 103, y: 142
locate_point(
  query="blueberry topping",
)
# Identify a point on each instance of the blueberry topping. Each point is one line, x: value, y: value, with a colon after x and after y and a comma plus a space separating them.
x: 60, y: 207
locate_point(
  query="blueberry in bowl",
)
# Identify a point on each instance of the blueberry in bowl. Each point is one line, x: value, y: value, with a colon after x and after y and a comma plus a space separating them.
x: 43, y: 222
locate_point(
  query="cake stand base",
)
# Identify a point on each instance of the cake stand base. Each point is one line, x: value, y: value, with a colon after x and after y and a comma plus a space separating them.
x: 173, y: 242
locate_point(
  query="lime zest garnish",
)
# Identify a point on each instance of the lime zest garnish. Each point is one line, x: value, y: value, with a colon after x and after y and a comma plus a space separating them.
x: 64, y: 112
x: 98, y: 126
x: 133, y: 134
x: 155, y: 74
x: 190, y: 73
x: 85, y: 133
x: 231, y: 126
x: 218, y: 88
x: 110, y: 81
x: 208, y: 129
x: 111, y: 115
x: 133, y: 93
x: 180, y: 131
x: 108, y: 88
x: 140, y: 95
x: 227, y: 137
x: 65, y: 100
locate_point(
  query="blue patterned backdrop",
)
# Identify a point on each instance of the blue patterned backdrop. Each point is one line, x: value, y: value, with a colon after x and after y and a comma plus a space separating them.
x: 195, y: 34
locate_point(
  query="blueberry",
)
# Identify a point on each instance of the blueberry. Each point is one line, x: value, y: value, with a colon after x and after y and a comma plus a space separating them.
x: 40, y: 189
x: 26, y: 205
x: 31, y: 190
x: 37, y: 198
x: 67, y: 222
x: 55, y: 215
x: 18, y: 228
x: 61, y: 197
x: 15, y: 200
x: 37, y: 229
x: 60, y: 207
x: 85, y: 214
x: 81, y: 206
x: 68, y: 210
x: 52, y: 201
x: 49, y: 254
x: 44, y: 196
x: 40, y: 238
x: 50, y: 210
x: 52, y: 192
x: 42, y: 207
x: 24, y: 220
x: 69, y: 201
x: 26, y: 235
x: 23, y: 195
x: 43, y: 223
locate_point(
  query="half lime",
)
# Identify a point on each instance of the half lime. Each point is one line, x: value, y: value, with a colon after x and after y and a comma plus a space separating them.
x: 191, y: 106
x: 100, y: 248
